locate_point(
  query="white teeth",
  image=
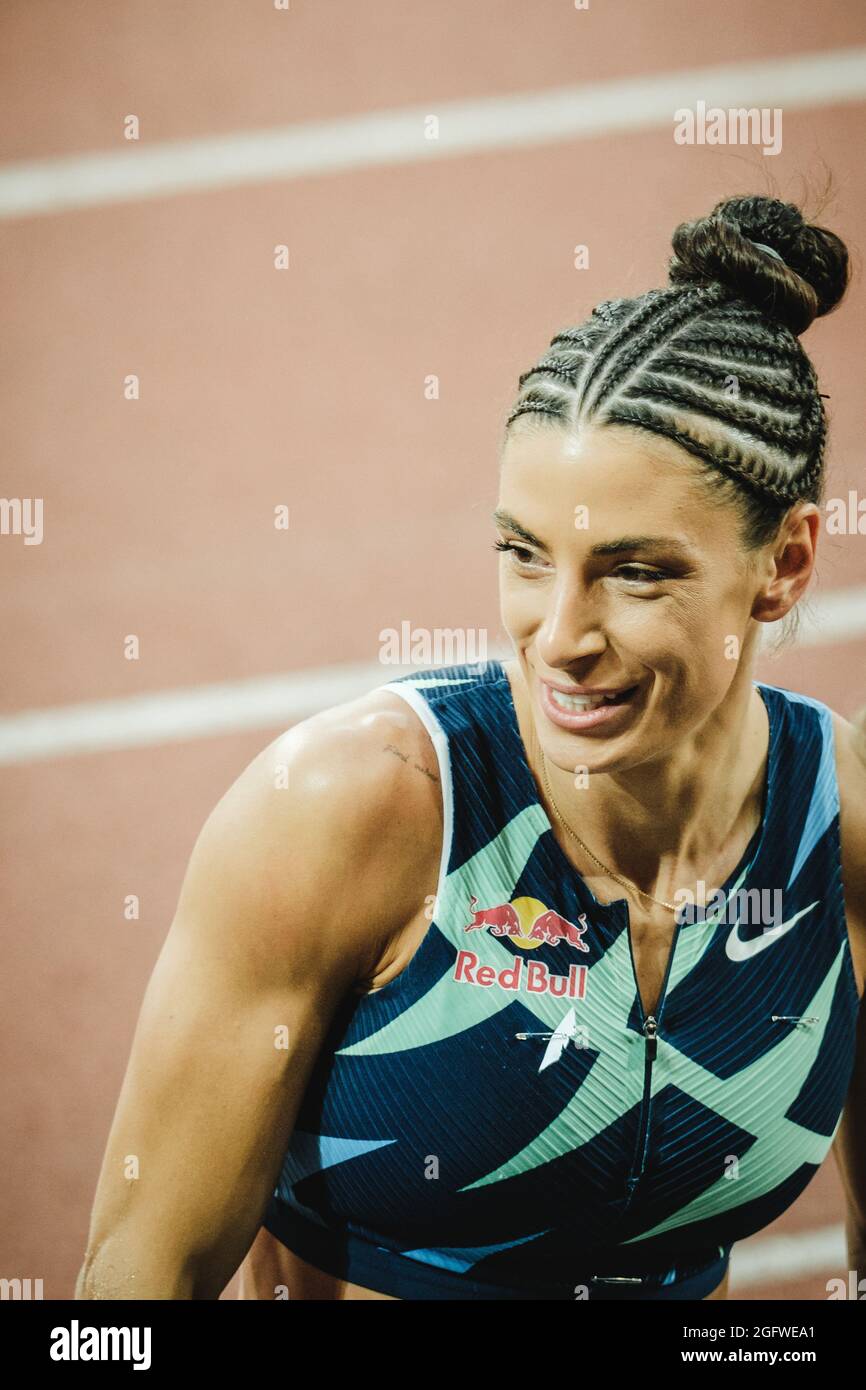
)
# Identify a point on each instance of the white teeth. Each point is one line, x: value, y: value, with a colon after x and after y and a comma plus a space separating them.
x: 581, y: 702
x: 576, y: 702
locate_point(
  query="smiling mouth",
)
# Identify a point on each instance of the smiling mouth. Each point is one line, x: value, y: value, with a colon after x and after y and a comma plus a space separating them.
x: 577, y: 704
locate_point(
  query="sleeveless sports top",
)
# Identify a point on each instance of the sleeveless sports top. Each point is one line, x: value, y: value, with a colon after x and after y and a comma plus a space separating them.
x: 502, y: 1121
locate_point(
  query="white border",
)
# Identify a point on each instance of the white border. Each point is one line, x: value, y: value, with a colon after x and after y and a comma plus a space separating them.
x: 443, y: 755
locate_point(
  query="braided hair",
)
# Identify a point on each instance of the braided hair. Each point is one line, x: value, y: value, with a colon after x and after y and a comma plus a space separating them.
x: 713, y: 361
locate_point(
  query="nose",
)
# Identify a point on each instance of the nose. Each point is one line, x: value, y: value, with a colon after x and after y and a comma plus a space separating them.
x: 572, y: 628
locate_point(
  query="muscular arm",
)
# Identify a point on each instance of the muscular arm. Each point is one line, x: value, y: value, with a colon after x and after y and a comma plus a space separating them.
x: 849, y: 1146
x: 290, y: 898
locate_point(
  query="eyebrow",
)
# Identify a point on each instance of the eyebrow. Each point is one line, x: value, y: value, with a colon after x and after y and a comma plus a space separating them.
x: 624, y: 543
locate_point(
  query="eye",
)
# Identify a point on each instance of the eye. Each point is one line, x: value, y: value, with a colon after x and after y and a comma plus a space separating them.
x: 642, y: 574
x: 522, y: 555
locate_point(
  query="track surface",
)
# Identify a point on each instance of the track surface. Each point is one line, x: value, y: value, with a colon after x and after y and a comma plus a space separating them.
x: 306, y: 387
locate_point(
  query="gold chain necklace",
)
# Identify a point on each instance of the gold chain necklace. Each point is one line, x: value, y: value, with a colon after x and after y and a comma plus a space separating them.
x: 626, y: 883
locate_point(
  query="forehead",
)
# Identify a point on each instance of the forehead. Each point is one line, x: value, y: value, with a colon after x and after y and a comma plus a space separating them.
x: 621, y: 476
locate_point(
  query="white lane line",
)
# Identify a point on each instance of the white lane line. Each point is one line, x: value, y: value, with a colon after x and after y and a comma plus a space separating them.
x: 262, y: 702
x: 765, y: 1259
x: 836, y: 616
x: 517, y: 121
x: 167, y: 716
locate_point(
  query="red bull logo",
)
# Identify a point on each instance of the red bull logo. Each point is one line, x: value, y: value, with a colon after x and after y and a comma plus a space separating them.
x: 501, y: 920
x: 538, y: 979
x: 529, y: 924
x: 552, y: 928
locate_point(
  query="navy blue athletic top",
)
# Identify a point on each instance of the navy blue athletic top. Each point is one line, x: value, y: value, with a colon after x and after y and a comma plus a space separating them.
x: 502, y: 1120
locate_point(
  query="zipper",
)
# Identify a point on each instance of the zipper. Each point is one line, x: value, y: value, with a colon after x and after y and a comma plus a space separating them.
x: 649, y: 1028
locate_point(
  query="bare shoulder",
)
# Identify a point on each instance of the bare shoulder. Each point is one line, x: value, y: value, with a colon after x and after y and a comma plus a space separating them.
x: 850, y: 741
x: 336, y: 825
x: 369, y: 764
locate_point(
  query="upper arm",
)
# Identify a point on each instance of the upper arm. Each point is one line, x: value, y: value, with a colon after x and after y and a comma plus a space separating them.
x: 849, y: 1145
x: 851, y: 771
x: 306, y: 865
x: 858, y: 733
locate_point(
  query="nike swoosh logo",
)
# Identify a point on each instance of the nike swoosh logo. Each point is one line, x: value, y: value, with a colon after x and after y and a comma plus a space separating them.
x: 737, y: 949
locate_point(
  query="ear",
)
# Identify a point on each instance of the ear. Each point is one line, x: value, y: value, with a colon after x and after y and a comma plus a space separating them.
x: 792, y: 563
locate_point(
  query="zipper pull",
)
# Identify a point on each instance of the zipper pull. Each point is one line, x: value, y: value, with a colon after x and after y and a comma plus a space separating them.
x: 650, y: 1029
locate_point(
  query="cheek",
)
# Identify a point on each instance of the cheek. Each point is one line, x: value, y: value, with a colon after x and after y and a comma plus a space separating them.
x: 693, y: 641
x: 683, y: 638
x: 712, y: 620
x: 522, y: 606
x: 696, y: 618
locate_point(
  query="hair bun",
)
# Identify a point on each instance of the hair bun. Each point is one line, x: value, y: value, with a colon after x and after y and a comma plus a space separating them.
x: 809, y: 280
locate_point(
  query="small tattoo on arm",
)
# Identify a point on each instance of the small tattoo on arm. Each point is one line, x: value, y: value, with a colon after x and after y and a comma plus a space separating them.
x: 404, y: 757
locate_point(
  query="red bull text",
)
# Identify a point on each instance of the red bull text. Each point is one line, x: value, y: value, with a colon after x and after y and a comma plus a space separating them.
x: 539, y: 980
x: 529, y: 923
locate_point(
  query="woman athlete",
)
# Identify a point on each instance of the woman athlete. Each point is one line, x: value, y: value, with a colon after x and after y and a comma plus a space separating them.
x: 540, y: 980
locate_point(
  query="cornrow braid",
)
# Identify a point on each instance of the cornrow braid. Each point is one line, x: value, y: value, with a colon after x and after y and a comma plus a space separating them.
x: 548, y: 365
x: 712, y: 361
x: 629, y: 344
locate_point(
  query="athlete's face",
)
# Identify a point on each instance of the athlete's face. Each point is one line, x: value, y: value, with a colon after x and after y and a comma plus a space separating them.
x: 623, y: 575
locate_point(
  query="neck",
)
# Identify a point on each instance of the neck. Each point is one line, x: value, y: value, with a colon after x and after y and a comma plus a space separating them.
x: 671, y: 820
